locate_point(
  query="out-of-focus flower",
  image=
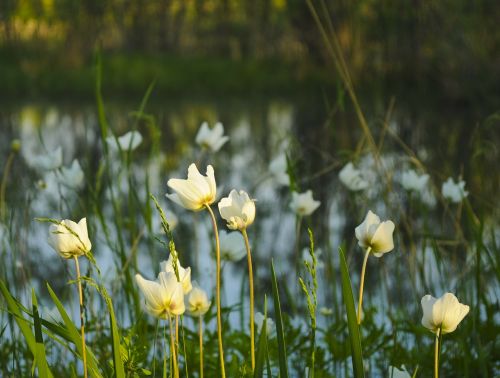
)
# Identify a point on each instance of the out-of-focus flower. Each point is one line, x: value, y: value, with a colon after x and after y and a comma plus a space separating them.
x: 73, y: 176
x: 197, y: 191
x: 237, y: 209
x: 303, y: 204
x: 197, y: 301
x: 412, y: 181
x: 455, y: 192
x: 259, y: 322
x: 15, y: 146
x: 396, y: 373
x: 164, y: 297
x: 232, y: 246
x: 211, y: 139
x: 184, y: 274
x: 49, y: 161
x: 69, y: 238
x: 444, y: 313
x: 375, y: 234
x: 353, y: 178
x: 278, y: 169
x: 326, y: 311
x: 128, y: 141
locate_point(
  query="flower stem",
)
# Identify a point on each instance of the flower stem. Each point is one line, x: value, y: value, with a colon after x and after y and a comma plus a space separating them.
x: 217, y: 292
x: 172, y: 349
x: 82, y: 326
x: 250, y: 279
x: 436, y: 353
x: 362, y: 284
x: 200, y: 330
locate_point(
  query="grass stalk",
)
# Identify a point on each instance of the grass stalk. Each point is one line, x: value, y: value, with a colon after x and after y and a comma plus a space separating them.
x: 3, y: 186
x: 82, y: 323
x: 217, y: 291
x: 250, y: 282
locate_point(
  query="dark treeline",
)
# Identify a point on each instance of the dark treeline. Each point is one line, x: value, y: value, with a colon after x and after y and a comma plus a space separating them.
x: 450, y: 44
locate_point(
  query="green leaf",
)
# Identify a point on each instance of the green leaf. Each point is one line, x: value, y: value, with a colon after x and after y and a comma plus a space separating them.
x: 279, y: 326
x: 25, y: 328
x: 75, y: 335
x: 117, y: 358
x: 40, y: 356
x: 352, y: 323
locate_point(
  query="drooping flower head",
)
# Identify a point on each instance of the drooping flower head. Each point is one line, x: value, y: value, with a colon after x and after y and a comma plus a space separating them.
x: 197, y: 301
x: 197, y: 191
x: 232, y: 246
x: 444, y: 313
x: 375, y: 234
x: 303, y: 204
x: 237, y: 209
x: 211, y: 139
x: 184, y: 274
x: 164, y: 297
x: 455, y: 192
x: 69, y: 238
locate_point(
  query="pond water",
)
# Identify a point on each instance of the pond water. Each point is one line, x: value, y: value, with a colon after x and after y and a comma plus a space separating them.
x: 318, y: 141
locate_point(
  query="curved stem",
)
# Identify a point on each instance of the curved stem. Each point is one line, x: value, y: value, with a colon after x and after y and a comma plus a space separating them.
x: 436, y: 354
x: 362, y: 284
x: 82, y: 324
x: 200, y: 330
x: 250, y: 281
x: 217, y: 291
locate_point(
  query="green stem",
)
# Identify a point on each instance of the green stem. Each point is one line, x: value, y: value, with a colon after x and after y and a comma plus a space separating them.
x: 250, y: 281
x: 362, y: 284
x: 3, y: 186
x: 217, y: 291
x: 436, y: 353
x: 82, y: 324
x: 200, y: 330
x: 172, y: 349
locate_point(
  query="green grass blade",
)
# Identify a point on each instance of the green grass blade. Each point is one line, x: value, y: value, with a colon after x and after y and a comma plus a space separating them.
x: 40, y: 356
x: 75, y: 335
x: 279, y: 326
x: 260, y: 358
x: 354, y: 335
x: 115, y: 333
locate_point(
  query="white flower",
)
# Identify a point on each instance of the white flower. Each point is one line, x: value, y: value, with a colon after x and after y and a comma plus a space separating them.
x: 444, y: 313
x: 49, y: 161
x: 396, y: 373
x: 278, y: 169
x: 455, y: 192
x: 73, y: 176
x: 211, y: 139
x: 259, y: 322
x: 353, y: 178
x: 164, y: 297
x: 197, y: 191
x: 232, y: 246
x: 237, y: 209
x: 184, y: 274
x: 69, y: 238
x: 411, y: 180
x: 128, y: 141
x: 303, y: 203
x: 375, y: 234
x: 197, y: 301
